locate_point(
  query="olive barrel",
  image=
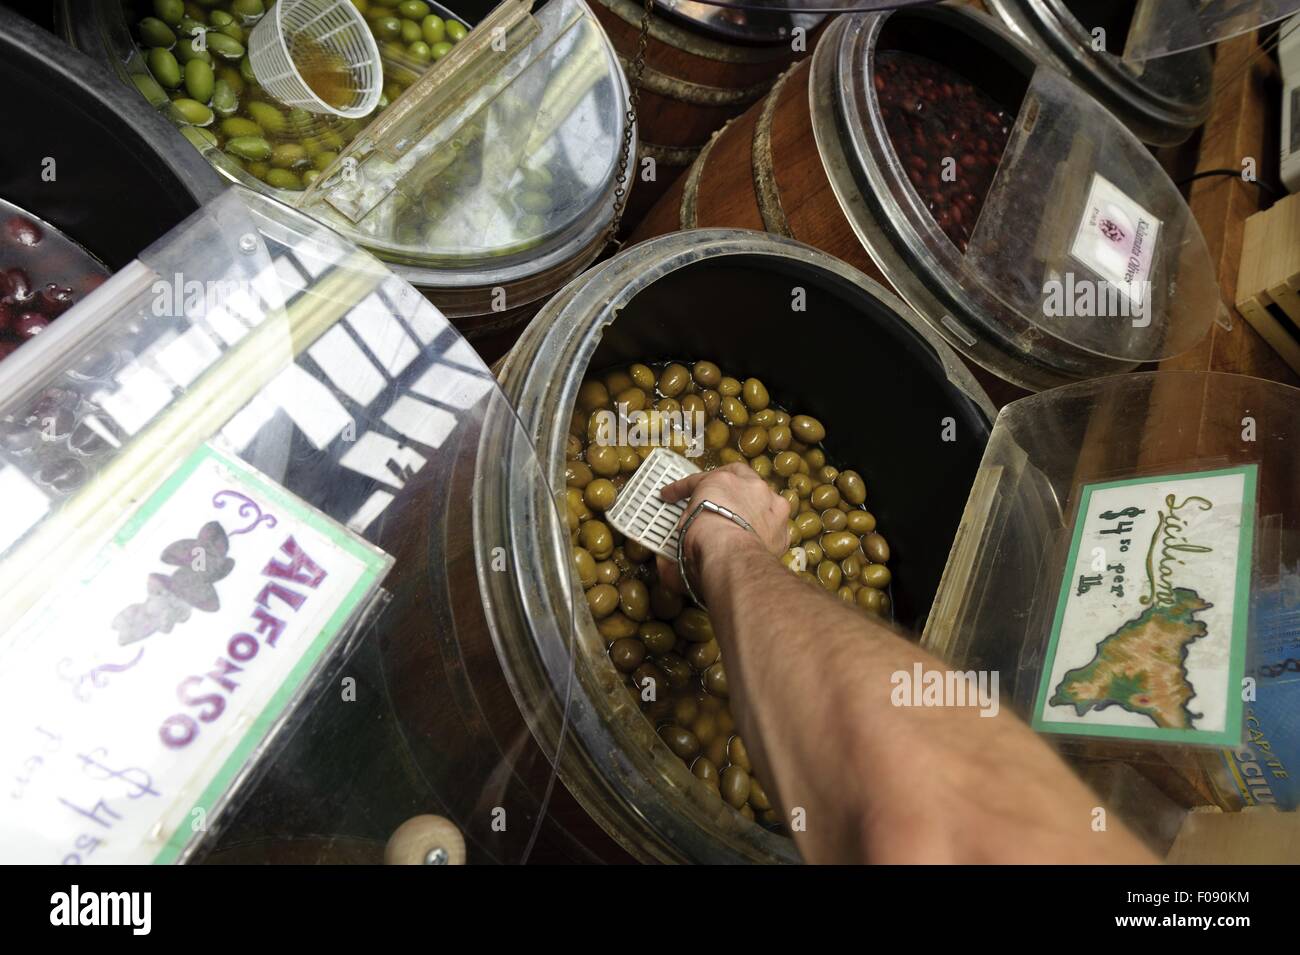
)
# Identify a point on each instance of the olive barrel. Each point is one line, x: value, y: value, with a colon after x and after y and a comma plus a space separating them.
x: 725, y: 296
x: 696, y: 75
x: 935, y: 151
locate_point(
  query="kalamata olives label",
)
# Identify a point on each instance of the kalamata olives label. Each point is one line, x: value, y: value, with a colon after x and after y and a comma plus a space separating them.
x: 1117, y: 239
x: 141, y: 691
x: 1149, y: 638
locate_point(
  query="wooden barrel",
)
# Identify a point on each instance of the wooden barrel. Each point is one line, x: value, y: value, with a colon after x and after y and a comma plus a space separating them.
x: 693, y: 81
x: 764, y: 171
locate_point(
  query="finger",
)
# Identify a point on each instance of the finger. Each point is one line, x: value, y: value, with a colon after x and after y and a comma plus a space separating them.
x: 669, y: 574
x: 683, y: 489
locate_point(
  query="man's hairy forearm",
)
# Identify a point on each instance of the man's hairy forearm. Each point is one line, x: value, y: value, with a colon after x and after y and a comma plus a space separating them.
x: 811, y: 678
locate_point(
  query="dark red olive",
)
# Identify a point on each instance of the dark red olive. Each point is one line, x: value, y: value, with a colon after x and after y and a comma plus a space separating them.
x: 30, y: 324
x: 54, y: 300
x: 23, y: 231
x: 17, y: 285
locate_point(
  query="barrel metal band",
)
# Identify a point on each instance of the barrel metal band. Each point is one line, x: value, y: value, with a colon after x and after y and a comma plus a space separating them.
x: 689, y: 216
x: 697, y: 94
x: 670, y: 155
x: 765, y: 188
x: 688, y: 42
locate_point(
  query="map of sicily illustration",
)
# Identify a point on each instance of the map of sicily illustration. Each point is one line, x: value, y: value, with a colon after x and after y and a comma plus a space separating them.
x: 1142, y: 665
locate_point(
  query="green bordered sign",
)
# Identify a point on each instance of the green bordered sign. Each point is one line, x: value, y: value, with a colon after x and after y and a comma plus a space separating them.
x: 138, y: 694
x: 1150, y: 632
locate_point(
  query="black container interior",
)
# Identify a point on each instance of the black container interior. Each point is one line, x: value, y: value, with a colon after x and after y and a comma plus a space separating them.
x: 875, y: 384
x: 1113, y: 16
x: 78, y: 150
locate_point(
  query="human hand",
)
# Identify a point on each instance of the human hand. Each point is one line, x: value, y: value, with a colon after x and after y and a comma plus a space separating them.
x: 738, y: 488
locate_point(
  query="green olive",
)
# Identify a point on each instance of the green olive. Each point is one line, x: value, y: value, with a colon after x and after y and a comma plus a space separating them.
x: 706, y: 771
x: 693, y: 625
x: 758, y: 796
x: 705, y: 727
x: 616, y: 626
x: 814, y: 457
x: 225, y: 47
x: 753, y: 442
x: 791, y: 498
x: 434, y: 29
x: 439, y: 50
x: 738, y: 754
x: 633, y: 399
x: 248, y: 9
x: 193, y: 112
x: 677, y: 671
x: 712, y: 401
x: 875, y: 547
x: 681, y: 741
x: 634, y: 599
x: 716, y: 435
x: 600, y: 494
x: 607, y: 572
x: 734, y: 412
x: 237, y: 126
x: 585, y: 565
x: 268, y: 117
x: 603, y: 600
x: 147, y: 85
x: 778, y: 437
x: 706, y: 374
x: 851, y: 487
x: 871, y: 599
x: 283, y: 179
x: 673, y: 380
x: 861, y: 522
x: 386, y: 28
x: 456, y: 31
x: 786, y: 463
x: 595, y: 536
x: 824, y: 496
x: 735, y: 786
x: 808, y: 430
x: 715, y: 680
x: 834, y: 519
x: 755, y: 394
x: 592, y: 395
x: 839, y: 545
x: 410, y: 33
x: 603, y: 460
x: 801, y: 484
x: 813, y: 553
x: 627, y: 654
x: 658, y: 637
x: 288, y: 155
x: 164, y: 68
x: 703, y: 655
x: 809, y: 525
x: 762, y: 465
x: 729, y: 387
x: 225, y: 102
x: 155, y: 33
x: 876, y: 575
x: 577, y: 474
x: 169, y: 11
x: 829, y: 574
x: 252, y: 148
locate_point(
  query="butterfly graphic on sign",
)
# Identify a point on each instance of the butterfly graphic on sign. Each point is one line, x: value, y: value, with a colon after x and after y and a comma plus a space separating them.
x: 200, y: 561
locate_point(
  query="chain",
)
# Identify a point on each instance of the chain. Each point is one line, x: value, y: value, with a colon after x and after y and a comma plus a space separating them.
x: 635, y: 69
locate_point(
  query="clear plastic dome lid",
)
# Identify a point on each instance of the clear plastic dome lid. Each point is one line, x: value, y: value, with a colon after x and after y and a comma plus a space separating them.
x: 242, y: 570
x: 1017, y: 199
x: 1164, y: 27
x: 491, y: 163
x: 508, y: 144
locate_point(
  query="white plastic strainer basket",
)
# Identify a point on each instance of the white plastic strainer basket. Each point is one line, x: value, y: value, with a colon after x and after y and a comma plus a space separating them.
x: 334, y: 35
x: 641, y: 514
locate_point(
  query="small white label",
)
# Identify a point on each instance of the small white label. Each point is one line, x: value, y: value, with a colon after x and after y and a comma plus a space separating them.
x: 1117, y: 238
x: 140, y: 692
